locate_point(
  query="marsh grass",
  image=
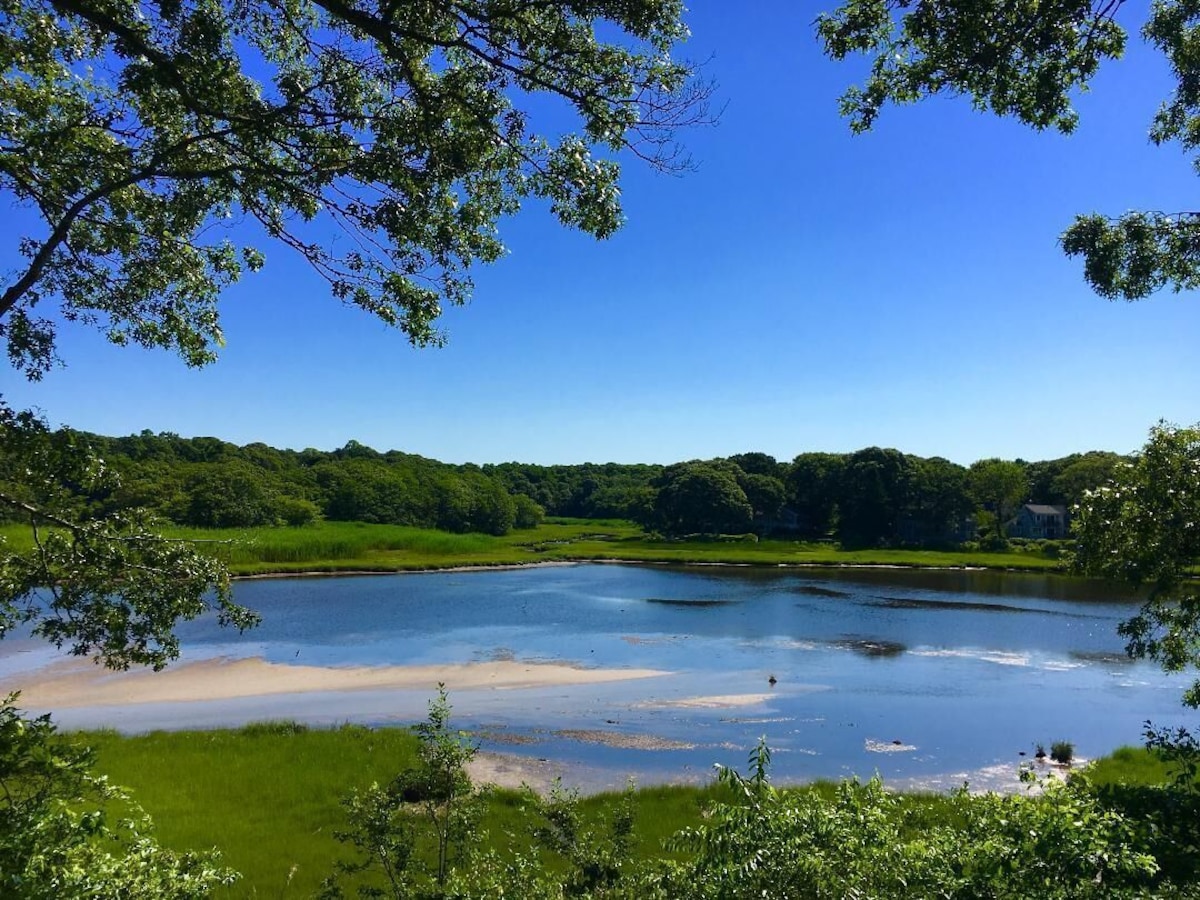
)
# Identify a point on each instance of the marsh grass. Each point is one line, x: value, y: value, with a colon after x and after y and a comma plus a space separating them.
x: 267, y: 796
x: 355, y: 546
x: 1134, y: 766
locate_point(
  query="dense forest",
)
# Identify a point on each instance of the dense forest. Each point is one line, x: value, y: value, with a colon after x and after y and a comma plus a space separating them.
x: 872, y: 497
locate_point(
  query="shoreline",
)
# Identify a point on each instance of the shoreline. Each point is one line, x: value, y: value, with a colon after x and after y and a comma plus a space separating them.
x: 554, y: 563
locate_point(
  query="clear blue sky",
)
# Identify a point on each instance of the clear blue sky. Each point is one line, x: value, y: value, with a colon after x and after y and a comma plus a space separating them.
x: 805, y: 289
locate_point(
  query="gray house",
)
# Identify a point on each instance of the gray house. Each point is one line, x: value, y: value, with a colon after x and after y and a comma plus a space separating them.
x: 1036, y: 520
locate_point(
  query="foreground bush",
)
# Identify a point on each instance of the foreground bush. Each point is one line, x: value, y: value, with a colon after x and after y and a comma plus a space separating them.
x: 60, y: 838
x: 1065, y: 842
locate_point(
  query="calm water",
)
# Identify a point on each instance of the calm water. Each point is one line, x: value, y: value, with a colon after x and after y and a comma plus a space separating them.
x: 963, y: 669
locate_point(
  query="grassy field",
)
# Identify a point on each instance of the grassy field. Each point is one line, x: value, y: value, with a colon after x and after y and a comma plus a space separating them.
x: 352, y: 546
x: 267, y: 795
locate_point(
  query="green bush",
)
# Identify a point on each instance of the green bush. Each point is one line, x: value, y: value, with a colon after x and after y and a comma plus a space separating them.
x: 1062, y: 752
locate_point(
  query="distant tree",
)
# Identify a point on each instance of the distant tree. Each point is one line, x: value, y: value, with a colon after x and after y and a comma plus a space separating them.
x: 1087, y: 473
x: 757, y: 464
x: 206, y: 450
x: 526, y: 513
x: 493, y: 511
x: 703, y: 498
x: 938, y: 499
x: 766, y: 496
x: 230, y: 495
x: 1042, y: 477
x: 814, y: 485
x: 999, y: 486
x: 871, y: 496
x: 352, y: 449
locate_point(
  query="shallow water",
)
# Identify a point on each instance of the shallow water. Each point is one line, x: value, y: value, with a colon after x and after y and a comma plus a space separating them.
x: 916, y: 675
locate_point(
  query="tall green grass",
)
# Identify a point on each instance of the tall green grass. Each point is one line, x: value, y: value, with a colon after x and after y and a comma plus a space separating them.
x: 268, y: 796
x: 332, y: 541
x: 348, y: 546
x: 1129, y: 766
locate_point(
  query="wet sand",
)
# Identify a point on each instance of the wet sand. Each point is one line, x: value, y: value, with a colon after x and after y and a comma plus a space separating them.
x: 78, y: 683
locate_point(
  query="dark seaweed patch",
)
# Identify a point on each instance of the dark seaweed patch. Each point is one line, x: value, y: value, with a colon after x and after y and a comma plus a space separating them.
x: 698, y: 603
x: 818, y: 591
x: 1102, y: 656
x: 872, y: 647
x: 910, y: 603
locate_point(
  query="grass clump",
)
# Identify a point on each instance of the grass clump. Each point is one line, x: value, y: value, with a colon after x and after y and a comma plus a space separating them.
x: 1062, y: 752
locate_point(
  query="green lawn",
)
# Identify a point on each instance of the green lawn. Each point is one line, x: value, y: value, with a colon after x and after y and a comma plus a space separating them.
x: 353, y: 546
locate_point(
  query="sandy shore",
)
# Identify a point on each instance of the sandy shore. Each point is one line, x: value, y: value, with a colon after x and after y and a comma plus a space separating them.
x: 77, y: 683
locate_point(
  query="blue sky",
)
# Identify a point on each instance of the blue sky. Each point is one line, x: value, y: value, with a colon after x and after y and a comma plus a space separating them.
x: 804, y: 289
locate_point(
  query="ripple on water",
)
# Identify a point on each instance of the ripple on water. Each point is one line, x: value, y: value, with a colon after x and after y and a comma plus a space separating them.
x: 998, y: 657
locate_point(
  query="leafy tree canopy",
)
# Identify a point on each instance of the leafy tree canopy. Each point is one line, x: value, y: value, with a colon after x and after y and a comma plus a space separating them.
x: 132, y: 131
x: 1027, y: 60
x: 382, y: 142
x: 108, y: 586
x: 1144, y: 528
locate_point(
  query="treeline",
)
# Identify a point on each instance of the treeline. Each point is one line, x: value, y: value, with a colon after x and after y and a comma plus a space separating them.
x: 206, y: 482
x: 873, y: 497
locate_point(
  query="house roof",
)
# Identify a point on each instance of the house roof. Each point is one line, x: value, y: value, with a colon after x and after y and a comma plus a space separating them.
x: 1040, y: 509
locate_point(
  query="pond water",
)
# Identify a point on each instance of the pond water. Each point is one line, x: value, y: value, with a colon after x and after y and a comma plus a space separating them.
x: 917, y: 675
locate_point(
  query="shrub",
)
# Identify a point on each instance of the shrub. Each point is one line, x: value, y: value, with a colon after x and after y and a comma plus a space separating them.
x: 994, y: 544
x: 1062, y: 752
x: 411, y: 833
x: 297, y: 512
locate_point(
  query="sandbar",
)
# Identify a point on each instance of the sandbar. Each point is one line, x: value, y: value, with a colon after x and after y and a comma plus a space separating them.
x: 77, y: 683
